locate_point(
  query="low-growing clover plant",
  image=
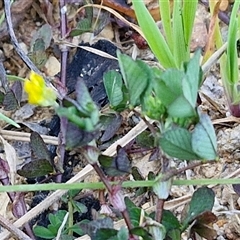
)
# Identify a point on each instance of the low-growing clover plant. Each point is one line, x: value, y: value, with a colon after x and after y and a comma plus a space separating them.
x: 183, y: 131
x: 170, y: 98
x: 56, y: 220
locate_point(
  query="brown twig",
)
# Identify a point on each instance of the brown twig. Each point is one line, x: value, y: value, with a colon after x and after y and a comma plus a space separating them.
x: 13, y: 229
x: 159, y: 210
x: 174, y: 172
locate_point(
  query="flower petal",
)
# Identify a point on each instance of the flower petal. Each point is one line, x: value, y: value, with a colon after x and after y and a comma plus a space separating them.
x: 38, y: 92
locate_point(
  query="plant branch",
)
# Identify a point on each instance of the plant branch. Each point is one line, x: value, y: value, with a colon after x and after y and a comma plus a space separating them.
x: 64, y: 56
x: 14, y: 41
x: 103, y: 178
x: 150, y: 126
x: 175, y: 172
x: 13, y: 229
x: 159, y: 210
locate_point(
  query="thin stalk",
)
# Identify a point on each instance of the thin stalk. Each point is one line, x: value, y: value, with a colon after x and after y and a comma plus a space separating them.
x: 64, y: 56
x: 102, y: 176
x: 127, y: 220
x: 70, y: 216
x: 13, y: 229
x: 159, y: 210
x: 99, y: 185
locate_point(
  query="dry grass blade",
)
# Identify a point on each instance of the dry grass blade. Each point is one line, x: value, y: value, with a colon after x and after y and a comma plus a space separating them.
x: 89, y: 49
x: 213, y: 103
x: 214, y: 58
x: 226, y: 119
x: 15, y: 231
x: 25, y: 137
x: 116, y: 14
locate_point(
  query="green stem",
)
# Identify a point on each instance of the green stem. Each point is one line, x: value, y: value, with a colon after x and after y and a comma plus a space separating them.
x: 70, y: 217
x: 99, y: 185
x: 15, y: 78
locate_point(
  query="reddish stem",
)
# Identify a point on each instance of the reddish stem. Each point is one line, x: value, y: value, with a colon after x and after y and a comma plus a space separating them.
x: 159, y: 210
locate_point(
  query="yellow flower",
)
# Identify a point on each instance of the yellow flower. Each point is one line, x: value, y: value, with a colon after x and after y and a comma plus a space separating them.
x: 38, y: 92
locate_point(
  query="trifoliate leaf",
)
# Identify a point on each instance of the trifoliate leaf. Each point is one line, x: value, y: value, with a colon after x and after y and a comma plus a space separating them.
x: 177, y: 143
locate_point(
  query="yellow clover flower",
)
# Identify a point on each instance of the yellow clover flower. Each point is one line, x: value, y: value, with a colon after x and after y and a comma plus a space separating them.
x: 38, y: 92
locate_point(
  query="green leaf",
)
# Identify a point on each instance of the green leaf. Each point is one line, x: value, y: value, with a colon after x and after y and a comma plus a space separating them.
x: 123, y: 234
x: 73, y: 115
x: 84, y: 25
x: 76, y: 229
x: 169, y: 221
x: 10, y: 102
x: 113, y: 84
x: 177, y: 143
x: 181, y: 108
x: 43, y: 232
x: 157, y: 230
x: 204, y: 142
x: 106, y: 233
x: 152, y: 106
x: 191, y: 81
x: 168, y: 86
x: 54, y: 220
x: 36, y: 168
x: 145, y: 139
x: 85, y: 102
x: 140, y: 231
x: 134, y: 212
x: 45, y: 34
x: 38, y: 147
x: 73, y: 193
x: 136, y: 75
x: 54, y: 229
x: 81, y: 208
x: 202, y: 201
x: 162, y: 187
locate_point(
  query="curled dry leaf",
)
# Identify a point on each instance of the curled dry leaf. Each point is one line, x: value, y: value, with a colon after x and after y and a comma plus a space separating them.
x: 10, y: 156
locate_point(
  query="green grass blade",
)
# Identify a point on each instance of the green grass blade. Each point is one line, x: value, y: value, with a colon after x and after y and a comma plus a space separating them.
x: 165, y: 12
x: 8, y: 120
x: 153, y: 35
x: 189, y: 12
x: 232, y: 58
x: 180, y: 46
